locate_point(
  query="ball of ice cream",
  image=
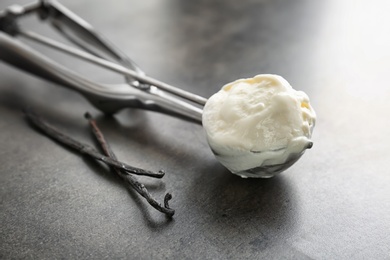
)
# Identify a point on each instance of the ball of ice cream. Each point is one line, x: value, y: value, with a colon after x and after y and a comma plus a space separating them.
x: 258, y: 126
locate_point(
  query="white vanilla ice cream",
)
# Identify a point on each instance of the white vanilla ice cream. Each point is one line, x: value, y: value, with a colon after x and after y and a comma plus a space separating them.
x: 258, y: 123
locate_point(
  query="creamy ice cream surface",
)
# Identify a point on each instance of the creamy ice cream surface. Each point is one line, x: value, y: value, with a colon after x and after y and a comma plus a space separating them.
x: 258, y: 126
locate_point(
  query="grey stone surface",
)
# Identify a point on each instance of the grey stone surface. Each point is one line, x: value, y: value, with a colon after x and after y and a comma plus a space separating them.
x: 333, y: 204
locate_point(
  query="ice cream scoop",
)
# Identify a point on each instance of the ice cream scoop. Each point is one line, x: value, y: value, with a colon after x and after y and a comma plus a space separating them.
x: 256, y: 127
x: 259, y: 126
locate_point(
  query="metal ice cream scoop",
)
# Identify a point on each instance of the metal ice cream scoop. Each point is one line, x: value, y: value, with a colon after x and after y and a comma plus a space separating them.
x: 139, y: 91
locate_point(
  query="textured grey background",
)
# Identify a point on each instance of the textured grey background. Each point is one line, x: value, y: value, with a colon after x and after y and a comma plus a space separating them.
x: 333, y: 204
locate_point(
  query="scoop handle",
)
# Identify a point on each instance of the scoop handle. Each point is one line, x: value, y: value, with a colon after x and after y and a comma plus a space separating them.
x: 25, y: 58
x: 107, y: 98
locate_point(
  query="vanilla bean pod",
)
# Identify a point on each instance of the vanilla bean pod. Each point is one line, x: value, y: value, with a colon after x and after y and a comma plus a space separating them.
x: 84, y: 148
x: 131, y: 180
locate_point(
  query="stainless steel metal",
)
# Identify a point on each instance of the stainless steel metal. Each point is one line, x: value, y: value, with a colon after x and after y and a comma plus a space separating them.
x: 70, y: 25
x: 108, y: 98
x: 270, y: 170
x: 139, y: 92
x: 113, y: 67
